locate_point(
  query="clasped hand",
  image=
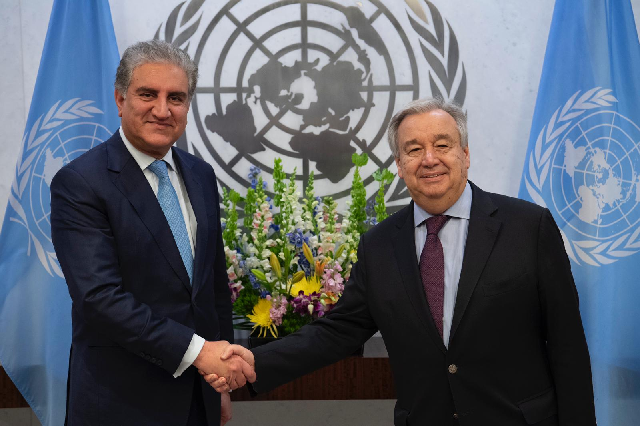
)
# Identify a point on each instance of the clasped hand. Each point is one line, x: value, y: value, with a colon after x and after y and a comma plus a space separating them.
x: 224, y: 366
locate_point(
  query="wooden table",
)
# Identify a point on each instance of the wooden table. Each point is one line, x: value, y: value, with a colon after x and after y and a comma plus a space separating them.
x: 9, y: 395
x: 351, y: 378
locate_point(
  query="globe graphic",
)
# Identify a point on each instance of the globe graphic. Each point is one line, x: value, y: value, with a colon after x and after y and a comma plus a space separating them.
x: 288, y: 84
x: 58, y: 150
x: 594, y: 178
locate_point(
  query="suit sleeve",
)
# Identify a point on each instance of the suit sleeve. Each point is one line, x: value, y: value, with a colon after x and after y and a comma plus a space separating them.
x: 87, y: 252
x: 324, y: 341
x: 566, y: 342
x: 221, y: 279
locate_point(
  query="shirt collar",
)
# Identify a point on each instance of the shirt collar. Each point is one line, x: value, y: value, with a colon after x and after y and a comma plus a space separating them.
x: 145, y: 160
x: 461, y: 209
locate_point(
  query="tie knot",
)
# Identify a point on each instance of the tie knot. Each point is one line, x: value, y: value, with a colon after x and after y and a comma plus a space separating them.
x: 435, y: 224
x: 159, y: 168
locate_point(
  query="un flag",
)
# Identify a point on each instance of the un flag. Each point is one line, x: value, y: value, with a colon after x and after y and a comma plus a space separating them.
x: 72, y: 109
x: 583, y: 163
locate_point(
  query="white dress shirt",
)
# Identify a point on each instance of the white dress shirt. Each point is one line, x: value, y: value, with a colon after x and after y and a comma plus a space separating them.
x: 144, y: 161
x: 453, y: 236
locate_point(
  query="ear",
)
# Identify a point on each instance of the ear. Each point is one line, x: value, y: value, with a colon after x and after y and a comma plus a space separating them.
x: 119, y: 102
x: 467, y: 160
x: 400, y: 174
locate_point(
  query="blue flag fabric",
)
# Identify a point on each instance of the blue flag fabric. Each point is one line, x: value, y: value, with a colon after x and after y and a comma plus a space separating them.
x: 583, y: 163
x: 72, y: 109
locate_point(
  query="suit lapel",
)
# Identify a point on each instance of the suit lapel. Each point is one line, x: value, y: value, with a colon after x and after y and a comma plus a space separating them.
x: 130, y: 180
x: 405, y: 252
x: 196, y: 197
x: 482, y: 234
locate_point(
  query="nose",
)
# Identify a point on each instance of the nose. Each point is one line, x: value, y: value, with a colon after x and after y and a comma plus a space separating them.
x: 161, y: 109
x: 430, y: 158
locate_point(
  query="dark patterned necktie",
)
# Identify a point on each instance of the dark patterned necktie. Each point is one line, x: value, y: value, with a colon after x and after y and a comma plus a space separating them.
x: 432, y: 269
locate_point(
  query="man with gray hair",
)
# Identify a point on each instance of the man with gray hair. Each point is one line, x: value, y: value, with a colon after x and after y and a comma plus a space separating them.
x: 471, y: 291
x: 136, y: 228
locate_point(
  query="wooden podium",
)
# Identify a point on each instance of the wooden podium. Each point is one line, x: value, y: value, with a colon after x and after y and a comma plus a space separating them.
x: 350, y: 378
x: 356, y: 377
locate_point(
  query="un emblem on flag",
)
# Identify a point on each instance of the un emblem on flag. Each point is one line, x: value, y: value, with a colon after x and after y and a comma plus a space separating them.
x: 585, y: 167
x: 62, y: 134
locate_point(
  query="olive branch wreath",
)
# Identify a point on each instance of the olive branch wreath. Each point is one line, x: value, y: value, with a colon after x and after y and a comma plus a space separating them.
x: 591, y: 252
x: 31, y: 145
x: 179, y: 34
x: 441, y: 51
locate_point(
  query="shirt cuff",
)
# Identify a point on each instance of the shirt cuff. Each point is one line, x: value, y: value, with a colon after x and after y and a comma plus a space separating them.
x: 190, y: 355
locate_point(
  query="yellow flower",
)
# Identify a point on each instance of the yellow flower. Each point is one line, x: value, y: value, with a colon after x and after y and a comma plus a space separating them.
x: 308, y: 286
x: 260, y: 318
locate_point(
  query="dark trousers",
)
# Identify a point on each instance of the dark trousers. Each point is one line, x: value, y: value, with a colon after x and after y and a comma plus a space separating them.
x: 197, y: 414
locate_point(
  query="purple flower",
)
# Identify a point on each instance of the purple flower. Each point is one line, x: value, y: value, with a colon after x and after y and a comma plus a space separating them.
x: 254, y: 281
x: 254, y: 171
x: 302, y: 302
x: 297, y: 238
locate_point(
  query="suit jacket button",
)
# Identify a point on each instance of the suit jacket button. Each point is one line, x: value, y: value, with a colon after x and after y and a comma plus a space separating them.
x: 159, y: 362
x: 147, y: 357
x: 153, y: 360
x: 141, y: 354
x: 453, y: 369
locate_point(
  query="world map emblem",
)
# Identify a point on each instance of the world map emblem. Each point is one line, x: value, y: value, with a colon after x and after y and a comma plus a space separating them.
x: 311, y: 82
x: 56, y: 138
x: 586, y: 168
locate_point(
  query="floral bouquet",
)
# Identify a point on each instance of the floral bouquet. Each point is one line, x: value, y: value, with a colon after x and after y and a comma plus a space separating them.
x: 290, y: 260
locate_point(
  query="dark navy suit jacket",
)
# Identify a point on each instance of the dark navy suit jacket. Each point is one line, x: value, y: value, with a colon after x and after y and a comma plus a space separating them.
x: 517, y: 354
x: 134, y: 311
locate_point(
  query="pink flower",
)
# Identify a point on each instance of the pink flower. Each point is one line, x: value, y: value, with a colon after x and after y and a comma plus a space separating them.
x: 278, y: 309
x: 235, y: 290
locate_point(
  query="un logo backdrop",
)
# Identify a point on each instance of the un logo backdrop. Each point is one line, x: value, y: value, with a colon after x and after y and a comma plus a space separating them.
x: 311, y: 82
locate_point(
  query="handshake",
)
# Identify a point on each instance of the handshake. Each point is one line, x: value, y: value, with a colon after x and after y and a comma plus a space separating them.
x: 225, y: 366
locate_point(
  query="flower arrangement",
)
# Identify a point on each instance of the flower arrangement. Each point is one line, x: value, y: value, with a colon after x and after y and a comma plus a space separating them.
x: 289, y: 261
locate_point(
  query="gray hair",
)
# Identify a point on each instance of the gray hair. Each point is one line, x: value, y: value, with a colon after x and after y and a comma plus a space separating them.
x: 153, y: 52
x: 421, y: 106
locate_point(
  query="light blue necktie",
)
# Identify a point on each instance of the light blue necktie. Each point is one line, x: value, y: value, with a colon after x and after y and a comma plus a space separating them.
x: 170, y: 205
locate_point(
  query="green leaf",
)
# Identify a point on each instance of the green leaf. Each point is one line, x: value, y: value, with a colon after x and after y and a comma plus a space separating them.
x: 259, y: 275
x: 360, y: 160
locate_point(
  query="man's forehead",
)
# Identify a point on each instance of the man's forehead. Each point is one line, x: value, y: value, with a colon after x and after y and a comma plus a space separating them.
x: 146, y: 66
x: 435, y: 124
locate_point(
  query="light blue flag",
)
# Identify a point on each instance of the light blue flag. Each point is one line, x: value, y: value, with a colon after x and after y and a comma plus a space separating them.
x: 72, y: 110
x: 583, y: 163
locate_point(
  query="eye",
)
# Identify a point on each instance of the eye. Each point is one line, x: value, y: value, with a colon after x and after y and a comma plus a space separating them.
x: 176, y: 99
x: 147, y: 96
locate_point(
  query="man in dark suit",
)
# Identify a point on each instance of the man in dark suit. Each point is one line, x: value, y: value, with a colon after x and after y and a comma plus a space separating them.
x: 136, y: 227
x: 480, y: 317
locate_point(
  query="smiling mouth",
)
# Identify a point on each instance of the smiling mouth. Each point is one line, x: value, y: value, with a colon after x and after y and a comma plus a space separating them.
x: 435, y: 175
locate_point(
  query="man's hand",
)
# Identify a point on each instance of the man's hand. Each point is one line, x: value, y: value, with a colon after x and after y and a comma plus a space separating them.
x: 233, y: 368
x: 225, y: 408
x: 219, y: 382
